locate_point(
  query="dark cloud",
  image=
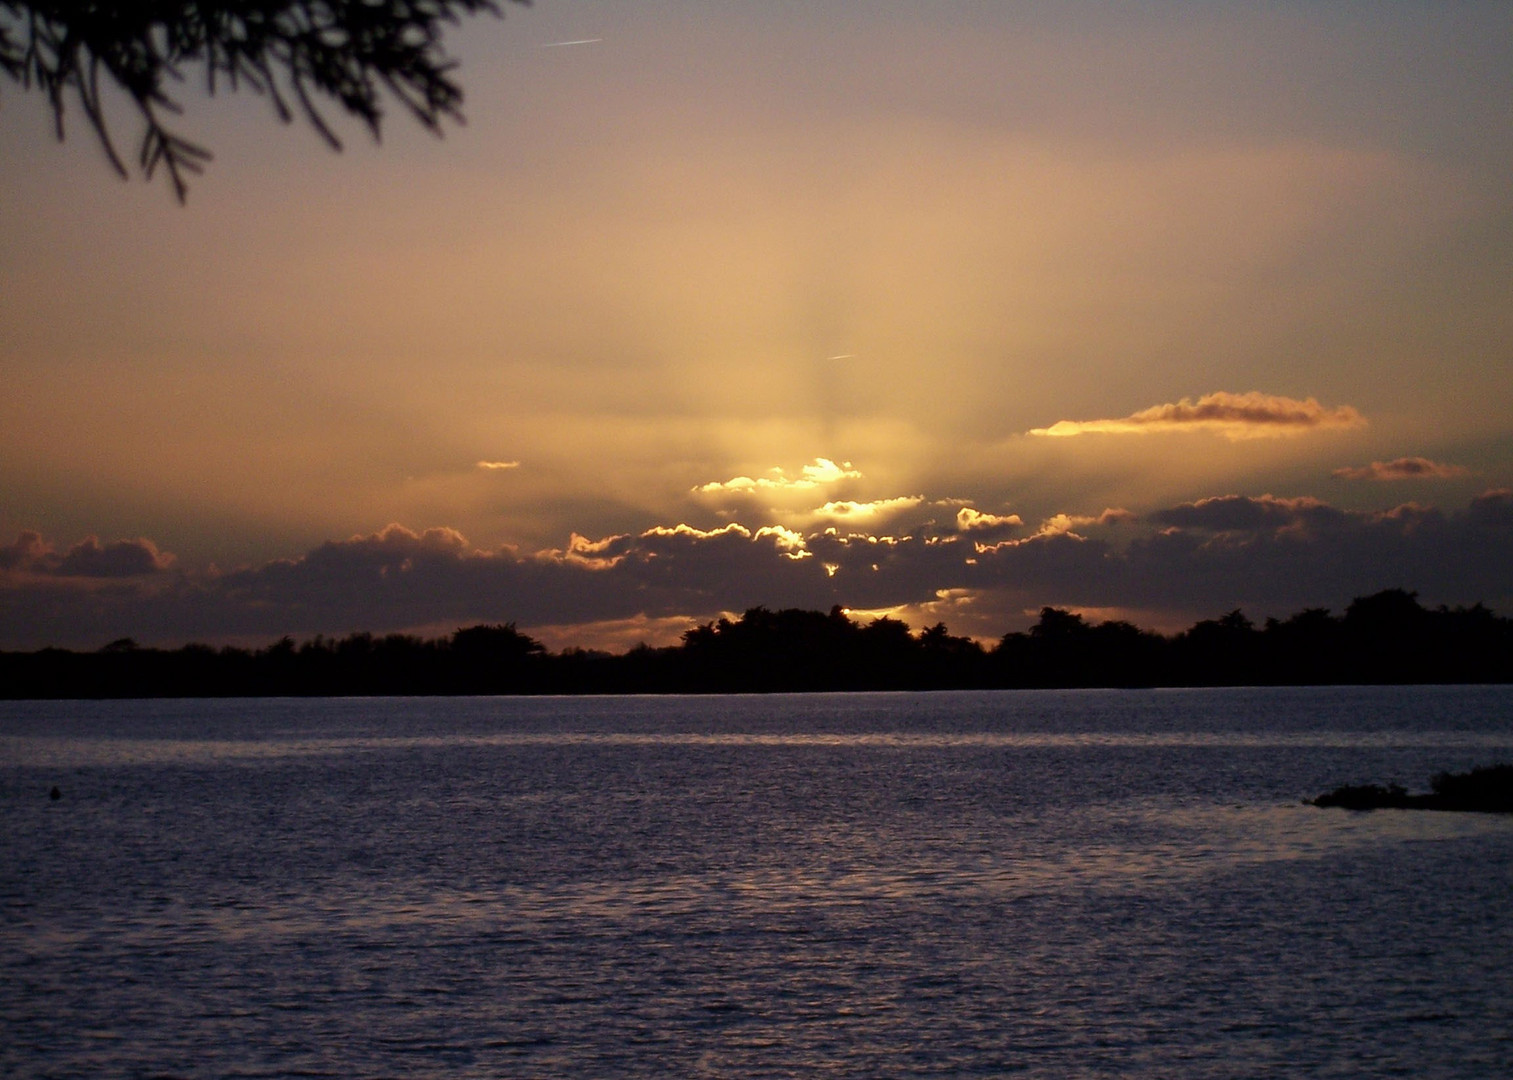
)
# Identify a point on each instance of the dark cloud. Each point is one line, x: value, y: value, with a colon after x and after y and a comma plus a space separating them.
x: 1403, y: 468
x: 27, y: 551
x: 31, y: 554
x: 1266, y: 554
x: 1228, y: 513
x: 1492, y: 508
x: 1274, y: 556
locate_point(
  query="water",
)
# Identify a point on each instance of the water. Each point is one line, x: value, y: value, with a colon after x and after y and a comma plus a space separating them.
x: 1045, y: 884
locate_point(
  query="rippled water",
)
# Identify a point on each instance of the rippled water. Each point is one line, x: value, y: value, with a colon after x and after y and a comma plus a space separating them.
x: 1096, y: 883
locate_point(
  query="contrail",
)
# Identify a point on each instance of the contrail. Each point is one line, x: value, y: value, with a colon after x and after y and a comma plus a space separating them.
x: 559, y: 44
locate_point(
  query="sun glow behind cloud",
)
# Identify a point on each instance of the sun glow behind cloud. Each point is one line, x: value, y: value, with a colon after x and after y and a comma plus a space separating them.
x: 851, y: 510
x: 822, y: 472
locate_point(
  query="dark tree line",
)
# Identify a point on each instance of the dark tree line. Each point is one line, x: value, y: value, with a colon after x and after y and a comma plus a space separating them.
x: 1385, y: 638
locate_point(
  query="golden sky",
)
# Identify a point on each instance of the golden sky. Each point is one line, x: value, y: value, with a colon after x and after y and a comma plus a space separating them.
x: 816, y: 283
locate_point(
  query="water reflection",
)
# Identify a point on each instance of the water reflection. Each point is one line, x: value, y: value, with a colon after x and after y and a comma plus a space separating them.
x: 44, y: 751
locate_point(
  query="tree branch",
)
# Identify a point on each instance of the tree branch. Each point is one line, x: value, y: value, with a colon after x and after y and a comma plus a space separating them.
x: 349, y: 51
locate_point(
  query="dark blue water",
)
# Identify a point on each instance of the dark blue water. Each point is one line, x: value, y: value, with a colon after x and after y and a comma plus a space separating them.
x: 1106, y: 883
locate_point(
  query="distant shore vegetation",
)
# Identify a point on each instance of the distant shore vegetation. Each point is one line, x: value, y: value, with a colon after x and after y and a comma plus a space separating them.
x: 1385, y: 638
x: 1487, y: 790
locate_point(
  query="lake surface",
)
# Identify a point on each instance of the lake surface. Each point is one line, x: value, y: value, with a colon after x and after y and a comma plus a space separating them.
x: 1042, y: 884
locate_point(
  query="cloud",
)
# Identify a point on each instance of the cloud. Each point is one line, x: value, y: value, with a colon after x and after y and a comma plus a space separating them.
x: 121, y: 558
x: 594, y: 554
x: 788, y: 540
x: 1062, y: 525
x: 733, y: 529
x: 1297, y: 553
x: 30, y: 554
x: 970, y: 520
x: 1059, y: 524
x: 849, y: 510
x: 1235, y: 416
x: 1268, y: 555
x: 1403, y: 468
x: 27, y: 551
x: 1492, y: 508
x: 823, y: 471
x: 1228, y: 513
x: 497, y: 465
x: 392, y: 542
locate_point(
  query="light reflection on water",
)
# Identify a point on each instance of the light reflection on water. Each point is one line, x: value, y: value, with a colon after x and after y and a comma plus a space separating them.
x: 907, y: 885
x: 90, y: 752
x: 1215, y: 840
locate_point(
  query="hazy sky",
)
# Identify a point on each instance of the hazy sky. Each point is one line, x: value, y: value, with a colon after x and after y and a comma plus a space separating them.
x: 947, y: 309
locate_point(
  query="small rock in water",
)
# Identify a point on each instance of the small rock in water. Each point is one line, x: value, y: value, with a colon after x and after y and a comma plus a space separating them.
x: 55, y: 794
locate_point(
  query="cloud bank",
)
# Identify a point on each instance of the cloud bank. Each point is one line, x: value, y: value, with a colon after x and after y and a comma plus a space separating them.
x: 1267, y: 554
x: 1235, y: 416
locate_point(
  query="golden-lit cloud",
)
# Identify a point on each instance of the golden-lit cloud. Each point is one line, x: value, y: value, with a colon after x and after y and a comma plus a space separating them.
x: 850, y: 510
x: 395, y: 537
x: 603, y: 554
x: 498, y: 465
x: 970, y: 520
x: 688, y: 531
x: 1403, y: 468
x: 823, y: 471
x: 790, y: 542
x: 1060, y: 525
x: 1235, y: 416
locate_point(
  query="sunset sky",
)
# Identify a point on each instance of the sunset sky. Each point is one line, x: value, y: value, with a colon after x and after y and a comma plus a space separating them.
x: 946, y: 310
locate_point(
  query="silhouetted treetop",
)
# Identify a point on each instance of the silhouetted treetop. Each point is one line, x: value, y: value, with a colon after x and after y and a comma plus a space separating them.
x: 294, y: 51
x: 1388, y: 611
x: 1058, y: 625
x: 500, y: 642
